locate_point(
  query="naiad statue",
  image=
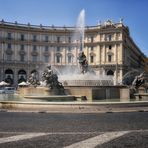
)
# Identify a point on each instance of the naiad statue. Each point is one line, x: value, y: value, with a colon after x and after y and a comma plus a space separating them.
x: 51, y: 79
x: 32, y: 80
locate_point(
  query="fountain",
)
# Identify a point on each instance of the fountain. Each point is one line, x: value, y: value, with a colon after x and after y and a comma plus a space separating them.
x: 49, y: 88
x: 76, y: 81
x: 136, y: 81
x: 81, y: 80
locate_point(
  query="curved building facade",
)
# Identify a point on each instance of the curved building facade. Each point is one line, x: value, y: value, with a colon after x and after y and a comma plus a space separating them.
x: 25, y: 48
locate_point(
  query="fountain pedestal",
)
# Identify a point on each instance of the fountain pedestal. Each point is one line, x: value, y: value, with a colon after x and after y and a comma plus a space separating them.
x: 124, y: 94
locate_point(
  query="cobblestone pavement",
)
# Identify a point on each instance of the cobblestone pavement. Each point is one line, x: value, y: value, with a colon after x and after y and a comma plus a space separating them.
x: 56, y: 130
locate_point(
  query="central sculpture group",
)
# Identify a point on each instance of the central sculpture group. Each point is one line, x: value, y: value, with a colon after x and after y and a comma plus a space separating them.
x: 83, y: 62
x: 50, y: 79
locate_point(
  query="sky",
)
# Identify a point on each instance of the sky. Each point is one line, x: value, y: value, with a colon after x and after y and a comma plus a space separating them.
x: 65, y: 12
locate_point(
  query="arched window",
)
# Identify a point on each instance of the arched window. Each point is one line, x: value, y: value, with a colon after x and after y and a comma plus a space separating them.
x: 9, y: 76
x: 69, y: 59
x: 109, y: 58
x: 110, y: 47
x: 22, y: 76
x: 58, y: 58
x: 91, y: 59
x: 110, y: 73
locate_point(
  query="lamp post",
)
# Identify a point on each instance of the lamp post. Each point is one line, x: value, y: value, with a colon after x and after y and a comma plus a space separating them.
x: 3, y: 60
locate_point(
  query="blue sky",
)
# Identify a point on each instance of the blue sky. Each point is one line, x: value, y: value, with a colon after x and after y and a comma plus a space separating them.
x: 65, y: 12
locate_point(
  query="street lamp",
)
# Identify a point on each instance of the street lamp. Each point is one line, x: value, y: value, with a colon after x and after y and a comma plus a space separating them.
x: 3, y: 60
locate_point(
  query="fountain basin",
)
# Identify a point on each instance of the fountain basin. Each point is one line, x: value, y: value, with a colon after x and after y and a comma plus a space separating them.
x: 39, y: 91
x: 45, y: 94
x: 73, y: 93
x: 99, y: 92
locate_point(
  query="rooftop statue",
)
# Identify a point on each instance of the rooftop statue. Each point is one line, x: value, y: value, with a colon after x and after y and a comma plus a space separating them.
x: 121, y: 20
x: 108, y: 23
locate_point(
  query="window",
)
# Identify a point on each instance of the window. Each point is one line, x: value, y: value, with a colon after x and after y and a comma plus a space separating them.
x: 58, y: 57
x: 9, y: 36
x: 69, y: 59
x: 118, y: 36
x: 92, y: 39
x: 46, y: 59
x: 46, y: 38
x: 109, y: 37
x: 58, y: 39
x: 22, y: 58
x: 69, y: 49
x: 58, y: 49
x: 69, y: 39
x: 34, y: 48
x: 34, y: 58
x: 9, y: 46
x: 109, y: 58
x: 9, y: 57
x: 91, y: 59
x: 92, y: 48
x: 110, y: 47
x: 22, y: 47
x: 22, y: 76
x: 110, y: 72
x: 22, y: 37
x: 46, y: 48
x: 34, y: 38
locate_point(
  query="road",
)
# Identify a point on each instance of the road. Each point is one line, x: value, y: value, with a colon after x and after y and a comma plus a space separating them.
x: 81, y: 130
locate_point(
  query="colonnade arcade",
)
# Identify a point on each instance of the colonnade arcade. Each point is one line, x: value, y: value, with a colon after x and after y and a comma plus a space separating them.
x: 14, y: 76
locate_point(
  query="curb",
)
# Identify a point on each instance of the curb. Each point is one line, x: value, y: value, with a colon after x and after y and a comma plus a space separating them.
x: 69, y: 107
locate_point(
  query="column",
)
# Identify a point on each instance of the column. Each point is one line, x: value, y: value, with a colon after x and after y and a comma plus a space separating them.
x: 97, y: 58
x: 52, y: 56
x: 3, y: 61
x: 103, y: 54
x: 15, y: 71
x: 40, y: 54
x: 100, y: 55
x: 116, y: 61
x: 77, y: 48
x: 65, y: 54
x: 88, y: 55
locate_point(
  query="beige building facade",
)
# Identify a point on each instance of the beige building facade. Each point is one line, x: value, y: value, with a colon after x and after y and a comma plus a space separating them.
x: 25, y: 48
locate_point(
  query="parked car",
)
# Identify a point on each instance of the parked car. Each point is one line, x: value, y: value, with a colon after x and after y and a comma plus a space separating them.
x: 7, y: 90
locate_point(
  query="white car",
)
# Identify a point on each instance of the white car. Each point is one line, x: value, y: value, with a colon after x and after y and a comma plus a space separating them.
x: 7, y: 90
